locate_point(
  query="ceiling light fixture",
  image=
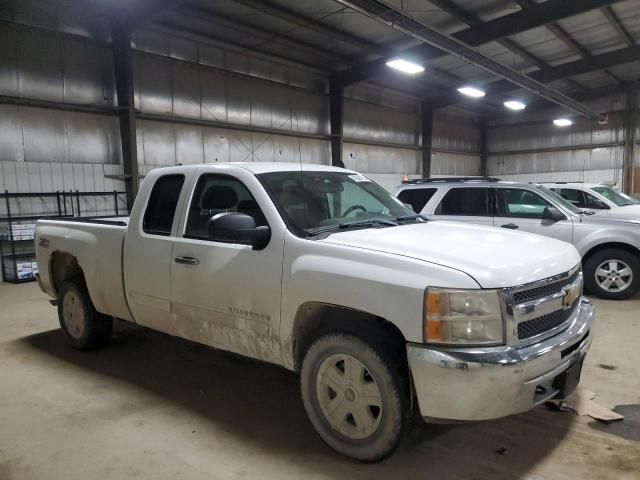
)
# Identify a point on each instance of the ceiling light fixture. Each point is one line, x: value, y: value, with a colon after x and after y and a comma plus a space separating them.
x: 405, y: 66
x: 514, y: 105
x: 471, y: 92
x: 562, y: 122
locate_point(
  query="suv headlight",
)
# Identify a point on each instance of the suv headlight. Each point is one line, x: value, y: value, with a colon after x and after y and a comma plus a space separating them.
x: 462, y: 317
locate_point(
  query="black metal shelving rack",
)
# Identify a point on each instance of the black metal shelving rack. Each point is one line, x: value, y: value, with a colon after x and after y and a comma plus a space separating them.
x: 18, y: 251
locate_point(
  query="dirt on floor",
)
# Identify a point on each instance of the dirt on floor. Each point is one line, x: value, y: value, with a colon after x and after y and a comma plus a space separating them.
x: 154, y: 406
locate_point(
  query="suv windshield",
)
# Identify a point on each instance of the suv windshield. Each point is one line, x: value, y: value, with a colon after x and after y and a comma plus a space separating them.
x: 315, y: 202
x: 618, y: 198
x: 566, y: 204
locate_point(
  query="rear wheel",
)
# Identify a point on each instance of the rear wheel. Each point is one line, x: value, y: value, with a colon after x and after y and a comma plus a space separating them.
x: 612, y: 274
x: 84, y: 328
x: 354, y: 396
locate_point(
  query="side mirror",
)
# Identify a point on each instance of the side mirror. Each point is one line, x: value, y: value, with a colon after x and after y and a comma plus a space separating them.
x: 600, y: 205
x: 409, y: 206
x: 236, y: 227
x: 552, y: 214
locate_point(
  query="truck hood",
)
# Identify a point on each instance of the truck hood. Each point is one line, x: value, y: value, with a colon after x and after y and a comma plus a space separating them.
x: 629, y: 212
x: 494, y: 257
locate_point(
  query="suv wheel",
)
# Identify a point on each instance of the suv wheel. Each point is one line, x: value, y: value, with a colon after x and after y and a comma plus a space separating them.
x: 353, y: 396
x: 612, y: 274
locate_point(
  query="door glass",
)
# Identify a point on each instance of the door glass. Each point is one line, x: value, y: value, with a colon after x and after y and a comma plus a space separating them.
x: 161, y: 208
x: 574, y: 196
x: 513, y: 202
x: 218, y: 194
x: 416, y: 197
x: 465, y: 202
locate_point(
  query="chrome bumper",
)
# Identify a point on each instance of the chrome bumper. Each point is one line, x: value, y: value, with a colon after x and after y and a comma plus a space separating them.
x: 469, y: 384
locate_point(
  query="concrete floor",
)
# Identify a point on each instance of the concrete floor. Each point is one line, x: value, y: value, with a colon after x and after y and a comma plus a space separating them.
x: 153, y: 406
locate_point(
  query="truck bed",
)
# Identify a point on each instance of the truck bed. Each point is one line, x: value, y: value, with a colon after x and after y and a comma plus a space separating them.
x: 97, y: 244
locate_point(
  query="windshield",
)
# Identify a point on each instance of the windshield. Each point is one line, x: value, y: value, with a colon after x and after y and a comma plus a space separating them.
x: 314, y: 202
x: 619, y: 198
x: 566, y: 204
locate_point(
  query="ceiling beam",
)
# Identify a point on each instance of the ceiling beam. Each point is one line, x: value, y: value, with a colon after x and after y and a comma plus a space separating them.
x: 517, y: 22
x: 551, y: 74
x: 400, y: 21
x: 615, y: 22
x: 589, y: 94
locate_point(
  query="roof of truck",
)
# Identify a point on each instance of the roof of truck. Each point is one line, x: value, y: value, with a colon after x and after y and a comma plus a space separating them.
x: 266, y: 167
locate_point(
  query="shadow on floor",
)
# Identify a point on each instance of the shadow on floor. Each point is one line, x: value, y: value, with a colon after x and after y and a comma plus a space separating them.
x: 261, y: 404
x: 629, y: 428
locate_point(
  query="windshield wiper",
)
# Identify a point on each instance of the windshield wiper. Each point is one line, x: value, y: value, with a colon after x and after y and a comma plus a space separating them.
x: 407, y: 218
x: 370, y: 222
x: 586, y: 212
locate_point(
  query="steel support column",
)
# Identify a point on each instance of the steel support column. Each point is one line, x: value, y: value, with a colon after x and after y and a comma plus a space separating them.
x: 630, y: 170
x: 426, y: 144
x: 483, y: 149
x: 336, y: 118
x: 123, y: 70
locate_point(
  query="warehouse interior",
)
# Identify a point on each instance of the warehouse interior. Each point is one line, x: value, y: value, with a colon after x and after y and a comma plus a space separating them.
x: 95, y: 94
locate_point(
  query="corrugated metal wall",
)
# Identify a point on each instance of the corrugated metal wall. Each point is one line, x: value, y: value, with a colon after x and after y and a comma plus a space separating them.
x: 537, y: 150
x: 198, y: 103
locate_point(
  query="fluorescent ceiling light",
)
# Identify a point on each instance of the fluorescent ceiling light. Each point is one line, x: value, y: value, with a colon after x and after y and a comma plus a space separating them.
x: 562, y: 122
x: 404, y: 66
x: 514, y: 105
x: 471, y: 92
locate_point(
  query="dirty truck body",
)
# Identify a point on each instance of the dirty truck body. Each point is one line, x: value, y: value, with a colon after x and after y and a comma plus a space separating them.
x: 317, y: 269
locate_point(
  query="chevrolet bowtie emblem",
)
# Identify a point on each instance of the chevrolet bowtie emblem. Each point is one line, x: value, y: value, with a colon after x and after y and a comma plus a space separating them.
x: 568, y: 298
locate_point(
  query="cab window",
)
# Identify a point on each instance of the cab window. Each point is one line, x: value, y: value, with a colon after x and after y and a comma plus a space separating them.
x: 158, y: 217
x: 465, y: 202
x: 215, y: 194
x: 514, y: 202
x: 576, y: 197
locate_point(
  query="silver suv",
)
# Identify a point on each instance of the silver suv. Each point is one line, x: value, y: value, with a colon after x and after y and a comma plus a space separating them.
x: 610, y: 247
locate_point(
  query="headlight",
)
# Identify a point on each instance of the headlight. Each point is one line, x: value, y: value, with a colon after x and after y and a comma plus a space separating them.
x: 464, y: 317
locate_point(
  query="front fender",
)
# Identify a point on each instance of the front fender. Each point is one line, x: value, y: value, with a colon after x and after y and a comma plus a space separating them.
x: 384, y: 285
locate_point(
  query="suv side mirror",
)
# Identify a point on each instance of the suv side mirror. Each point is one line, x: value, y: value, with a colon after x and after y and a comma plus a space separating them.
x: 553, y: 214
x: 236, y: 227
x: 599, y: 204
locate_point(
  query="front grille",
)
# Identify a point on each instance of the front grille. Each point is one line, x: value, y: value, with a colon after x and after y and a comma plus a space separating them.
x: 545, y: 323
x: 544, y: 290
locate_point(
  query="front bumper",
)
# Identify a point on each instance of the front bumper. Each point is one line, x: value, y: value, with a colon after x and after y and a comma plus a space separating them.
x: 469, y: 384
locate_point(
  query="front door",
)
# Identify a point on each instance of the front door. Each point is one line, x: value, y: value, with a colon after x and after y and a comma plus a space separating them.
x: 223, y: 294
x: 522, y: 209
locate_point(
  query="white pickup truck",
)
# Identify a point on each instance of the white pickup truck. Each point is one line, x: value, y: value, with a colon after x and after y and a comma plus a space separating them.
x: 320, y: 270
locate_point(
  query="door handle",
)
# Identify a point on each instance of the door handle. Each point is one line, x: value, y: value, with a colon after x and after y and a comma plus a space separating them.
x: 187, y: 260
x: 510, y: 226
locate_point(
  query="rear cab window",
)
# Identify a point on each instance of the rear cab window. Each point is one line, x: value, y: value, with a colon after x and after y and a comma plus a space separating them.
x: 416, y: 197
x: 161, y: 208
x: 465, y: 201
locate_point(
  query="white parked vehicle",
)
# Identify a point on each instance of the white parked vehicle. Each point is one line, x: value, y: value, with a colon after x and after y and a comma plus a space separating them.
x: 320, y: 270
x: 609, y: 246
x: 600, y: 198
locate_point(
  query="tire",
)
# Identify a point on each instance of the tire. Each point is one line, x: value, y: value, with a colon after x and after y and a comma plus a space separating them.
x: 83, y: 327
x: 356, y: 427
x: 620, y: 267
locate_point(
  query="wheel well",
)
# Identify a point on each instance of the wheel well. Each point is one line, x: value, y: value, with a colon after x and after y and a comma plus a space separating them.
x: 605, y: 246
x: 314, y: 319
x: 64, y: 266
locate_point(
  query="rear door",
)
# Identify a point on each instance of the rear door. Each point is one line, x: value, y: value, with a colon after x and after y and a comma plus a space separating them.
x: 522, y: 209
x: 468, y: 204
x: 147, y: 254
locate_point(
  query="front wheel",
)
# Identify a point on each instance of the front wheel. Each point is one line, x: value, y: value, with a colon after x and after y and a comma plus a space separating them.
x: 612, y: 274
x: 354, y: 396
